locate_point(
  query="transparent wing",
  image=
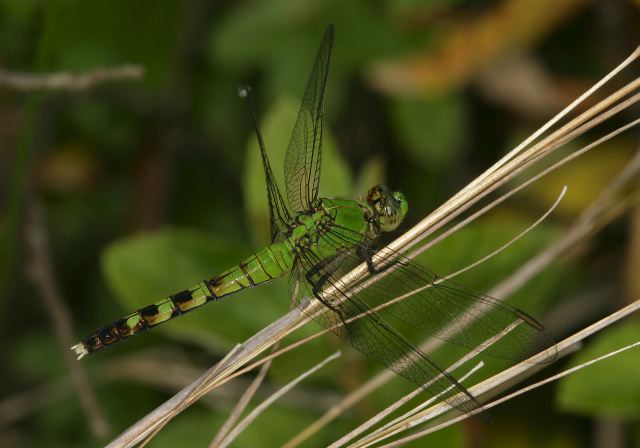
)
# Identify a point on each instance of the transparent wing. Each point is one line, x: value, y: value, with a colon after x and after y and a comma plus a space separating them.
x: 371, y: 334
x: 419, y: 298
x: 396, y: 290
x: 304, y: 154
x: 279, y: 214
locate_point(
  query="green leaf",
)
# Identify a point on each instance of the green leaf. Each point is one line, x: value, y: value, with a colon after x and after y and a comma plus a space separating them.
x: 146, y: 268
x: 372, y: 173
x: 37, y: 356
x: 609, y: 388
x: 101, y: 33
x: 430, y: 128
x: 335, y: 179
x: 281, y: 37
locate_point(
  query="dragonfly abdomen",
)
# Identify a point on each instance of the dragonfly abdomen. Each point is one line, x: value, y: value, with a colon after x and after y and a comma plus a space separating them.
x: 266, y: 265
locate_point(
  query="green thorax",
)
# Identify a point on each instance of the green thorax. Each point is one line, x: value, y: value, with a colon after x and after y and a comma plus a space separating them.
x: 340, y: 216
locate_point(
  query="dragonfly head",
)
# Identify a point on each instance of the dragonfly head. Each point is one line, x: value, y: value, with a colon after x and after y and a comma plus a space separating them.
x: 389, y: 207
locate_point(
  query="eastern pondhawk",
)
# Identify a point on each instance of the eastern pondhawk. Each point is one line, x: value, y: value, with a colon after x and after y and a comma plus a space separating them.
x: 319, y: 240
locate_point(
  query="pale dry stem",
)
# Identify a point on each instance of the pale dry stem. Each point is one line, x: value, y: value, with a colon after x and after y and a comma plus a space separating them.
x: 242, y: 425
x: 502, y: 171
x: 593, y: 217
x: 69, y: 81
x: 241, y: 405
x: 514, y: 394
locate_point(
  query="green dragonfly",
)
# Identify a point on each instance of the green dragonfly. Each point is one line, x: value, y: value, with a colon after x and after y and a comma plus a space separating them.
x: 318, y: 240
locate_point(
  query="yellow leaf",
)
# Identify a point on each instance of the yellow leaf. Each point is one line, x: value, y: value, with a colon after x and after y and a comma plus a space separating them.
x: 473, y: 45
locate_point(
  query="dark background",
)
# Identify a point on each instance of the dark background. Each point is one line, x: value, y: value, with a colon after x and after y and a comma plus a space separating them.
x: 145, y: 187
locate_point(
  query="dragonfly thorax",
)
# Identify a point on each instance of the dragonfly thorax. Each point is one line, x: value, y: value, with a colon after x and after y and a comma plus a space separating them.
x: 389, y: 207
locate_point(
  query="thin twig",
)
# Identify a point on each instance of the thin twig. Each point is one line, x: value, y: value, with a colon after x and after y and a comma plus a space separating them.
x: 70, y: 81
x: 269, y: 401
x: 577, y: 232
x: 192, y: 395
x: 397, y: 405
x: 513, y: 395
x: 466, y: 198
x: 243, y: 402
x: 41, y: 272
x: 580, y: 230
x: 465, y: 359
x: 512, y: 240
x: 253, y: 346
x: 427, y: 245
x: 491, y: 383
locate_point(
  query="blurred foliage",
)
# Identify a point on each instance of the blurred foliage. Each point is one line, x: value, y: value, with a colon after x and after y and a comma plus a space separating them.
x: 608, y: 389
x: 149, y: 187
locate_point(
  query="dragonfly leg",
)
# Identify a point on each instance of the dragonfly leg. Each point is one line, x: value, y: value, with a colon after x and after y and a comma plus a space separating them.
x: 319, y: 273
x: 334, y: 307
x: 371, y: 267
x: 317, y: 277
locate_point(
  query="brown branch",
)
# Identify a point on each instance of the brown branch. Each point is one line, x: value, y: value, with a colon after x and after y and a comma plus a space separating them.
x: 41, y: 272
x: 69, y: 81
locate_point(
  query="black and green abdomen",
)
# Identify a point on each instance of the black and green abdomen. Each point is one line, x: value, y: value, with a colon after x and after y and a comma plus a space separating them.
x: 268, y: 264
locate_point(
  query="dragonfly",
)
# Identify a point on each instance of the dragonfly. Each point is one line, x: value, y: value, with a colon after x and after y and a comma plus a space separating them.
x: 316, y: 241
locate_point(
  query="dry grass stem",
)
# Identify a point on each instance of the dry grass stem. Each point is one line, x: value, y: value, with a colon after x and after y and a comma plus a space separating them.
x: 505, y: 169
x: 427, y: 245
x: 193, y: 394
x: 583, y: 227
x: 511, y: 165
x: 395, y: 406
x: 70, y: 81
x: 512, y: 240
x: 612, y: 74
x: 596, y: 215
x: 576, y: 233
x: 401, y: 402
x: 491, y: 383
x: 266, y: 403
x: 513, y: 395
x: 241, y: 405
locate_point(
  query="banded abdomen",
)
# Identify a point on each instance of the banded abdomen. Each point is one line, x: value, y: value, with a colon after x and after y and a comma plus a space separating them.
x: 266, y: 265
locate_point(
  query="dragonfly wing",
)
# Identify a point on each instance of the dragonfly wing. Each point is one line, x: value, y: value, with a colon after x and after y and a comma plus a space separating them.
x: 304, y: 154
x: 437, y: 307
x: 279, y: 213
x: 371, y: 334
